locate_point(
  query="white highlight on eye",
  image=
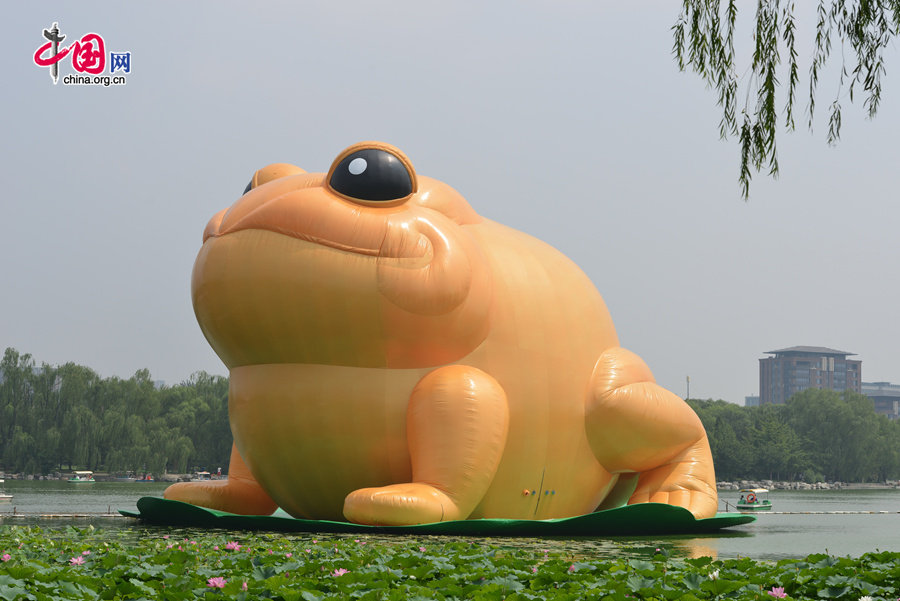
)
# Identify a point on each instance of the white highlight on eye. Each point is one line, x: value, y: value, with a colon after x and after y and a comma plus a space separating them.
x: 357, y: 166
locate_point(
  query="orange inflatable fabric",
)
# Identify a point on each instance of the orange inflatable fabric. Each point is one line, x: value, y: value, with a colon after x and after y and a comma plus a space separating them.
x: 395, y: 358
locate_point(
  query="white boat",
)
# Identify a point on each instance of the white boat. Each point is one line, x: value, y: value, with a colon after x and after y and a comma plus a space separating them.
x: 4, y: 496
x: 754, y: 499
x: 82, y: 476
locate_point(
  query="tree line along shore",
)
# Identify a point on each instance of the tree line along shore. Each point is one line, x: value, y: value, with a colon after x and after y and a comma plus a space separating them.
x: 56, y: 419
x: 63, y: 418
x: 817, y: 436
x: 100, y: 477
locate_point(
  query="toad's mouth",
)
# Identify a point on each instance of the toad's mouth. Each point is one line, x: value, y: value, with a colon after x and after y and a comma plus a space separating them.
x: 421, y: 258
x: 329, y: 222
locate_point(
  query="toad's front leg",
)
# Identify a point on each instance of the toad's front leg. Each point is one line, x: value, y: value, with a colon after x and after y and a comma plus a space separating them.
x: 636, y: 426
x: 456, y: 423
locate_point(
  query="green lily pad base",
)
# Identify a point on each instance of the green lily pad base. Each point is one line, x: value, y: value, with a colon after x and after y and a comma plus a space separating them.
x: 642, y: 518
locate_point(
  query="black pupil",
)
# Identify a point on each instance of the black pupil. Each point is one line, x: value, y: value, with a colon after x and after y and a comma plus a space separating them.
x: 372, y: 174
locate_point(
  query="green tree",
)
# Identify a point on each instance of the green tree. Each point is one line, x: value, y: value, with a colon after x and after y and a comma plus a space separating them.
x: 841, y: 431
x: 728, y: 427
x: 887, y: 450
x: 704, y: 36
x: 68, y: 415
x: 19, y: 454
x: 779, y: 453
x: 77, y: 387
x: 199, y: 409
x: 15, y: 393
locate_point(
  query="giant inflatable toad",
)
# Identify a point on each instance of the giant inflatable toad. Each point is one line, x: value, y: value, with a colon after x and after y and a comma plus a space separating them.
x: 397, y: 359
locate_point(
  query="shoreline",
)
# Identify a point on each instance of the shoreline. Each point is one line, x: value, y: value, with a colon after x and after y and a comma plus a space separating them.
x: 786, y: 485
x: 98, y: 477
x: 722, y: 485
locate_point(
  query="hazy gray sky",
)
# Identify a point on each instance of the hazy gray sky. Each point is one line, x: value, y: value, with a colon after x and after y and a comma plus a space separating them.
x: 568, y: 120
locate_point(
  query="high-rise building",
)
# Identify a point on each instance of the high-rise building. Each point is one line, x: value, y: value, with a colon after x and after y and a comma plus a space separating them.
x: 800, y: 367
x: 886, y: 397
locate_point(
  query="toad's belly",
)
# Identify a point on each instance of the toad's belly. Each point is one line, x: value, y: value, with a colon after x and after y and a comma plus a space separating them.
x: 311, y: 434
x: 548, y: 469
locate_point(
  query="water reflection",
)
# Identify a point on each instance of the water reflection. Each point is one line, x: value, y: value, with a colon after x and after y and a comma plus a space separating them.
x: 773, y: 536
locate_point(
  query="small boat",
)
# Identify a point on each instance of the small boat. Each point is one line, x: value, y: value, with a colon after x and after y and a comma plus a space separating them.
x: 5, y: 497
x: 145, y: 478
x: 754, y: 499
x: 82, y: 476
x: 201, y: 477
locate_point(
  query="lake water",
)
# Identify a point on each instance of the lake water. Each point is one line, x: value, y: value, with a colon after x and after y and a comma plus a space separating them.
x: 773, y: 536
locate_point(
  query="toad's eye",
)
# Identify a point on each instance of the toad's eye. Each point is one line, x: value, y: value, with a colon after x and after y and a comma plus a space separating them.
x: 371, y: 174
x: 272, y: 172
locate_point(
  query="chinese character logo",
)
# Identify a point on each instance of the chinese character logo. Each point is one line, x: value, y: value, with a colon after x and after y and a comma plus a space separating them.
x: 120, y: 60
x: 88, y: 56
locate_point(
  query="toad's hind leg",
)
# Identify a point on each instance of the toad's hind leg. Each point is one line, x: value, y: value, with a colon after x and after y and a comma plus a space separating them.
x: 240, y: 493
x: 456, y: 422
x: 635, y: 426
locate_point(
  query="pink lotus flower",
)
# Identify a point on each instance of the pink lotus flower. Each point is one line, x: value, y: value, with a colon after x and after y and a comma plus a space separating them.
x: 76, y: 561
x: 244, y: 586
x: 288, y: 555
x: 778, y: 592
x: 339, y: 572
x: 534, y: 570
x: 572, y: 568
x: 232, y: 546
x: 5, y: 557
x: 421, y: 549
x: 217, y: 582
x: 85, y: 552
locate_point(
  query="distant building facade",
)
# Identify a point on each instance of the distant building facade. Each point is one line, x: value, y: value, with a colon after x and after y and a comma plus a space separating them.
x: 751, y: 401
x: 886, y: 397
x: 798, y: 368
